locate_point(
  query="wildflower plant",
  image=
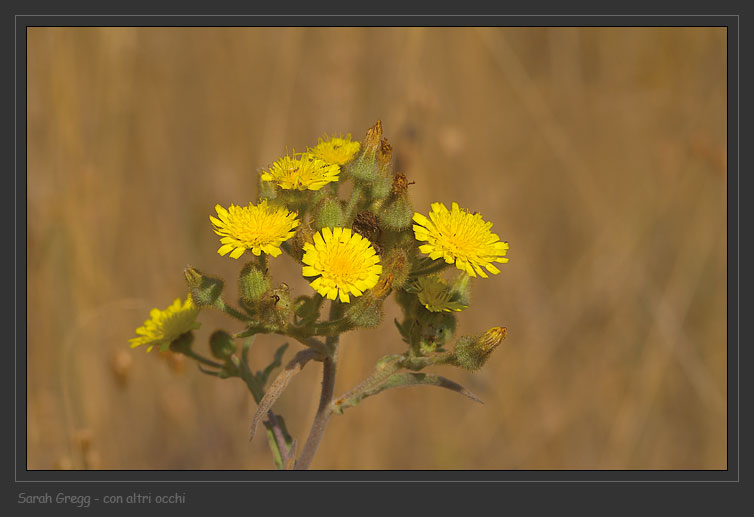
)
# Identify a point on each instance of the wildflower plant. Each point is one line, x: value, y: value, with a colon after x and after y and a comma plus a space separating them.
x: 354, y: 252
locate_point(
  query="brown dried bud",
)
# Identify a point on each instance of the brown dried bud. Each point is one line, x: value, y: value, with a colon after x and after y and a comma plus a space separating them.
x: 366, y: 225
x: 400, y: 184
x: 373, y: 137
x: 384, y: 153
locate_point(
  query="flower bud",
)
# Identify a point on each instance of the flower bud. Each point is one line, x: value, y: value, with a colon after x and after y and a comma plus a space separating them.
x: 366, y: 311
x: 252, y: 283
x: 204, y: 290
x: 328, y: 214
x: 472, y: 352
x: 276, y: 306
x: 365, y: 168
x: 221, y: 344
x: 397, y: 212
x: 396, y: 263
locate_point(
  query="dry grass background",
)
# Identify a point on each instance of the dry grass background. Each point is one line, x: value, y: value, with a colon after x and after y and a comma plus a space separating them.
x: 599, y: 154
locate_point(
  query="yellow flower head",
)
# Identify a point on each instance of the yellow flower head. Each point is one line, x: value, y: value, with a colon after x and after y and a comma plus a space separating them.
x: 163, y: 327
x: 336, y: 149
x: 260, y: 228
x: 436, y: 295
x: 346, y: 261
x: 302, y: 173
x: 462, y: 237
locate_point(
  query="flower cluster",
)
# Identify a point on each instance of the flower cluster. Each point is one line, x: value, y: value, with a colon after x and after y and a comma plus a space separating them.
x: 354, y: 251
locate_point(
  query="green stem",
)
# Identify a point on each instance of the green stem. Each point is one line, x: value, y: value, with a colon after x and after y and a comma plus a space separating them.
x: 230, y: 311
x: 262, y: 259
x: 201, y: 359
x: 353, y: 203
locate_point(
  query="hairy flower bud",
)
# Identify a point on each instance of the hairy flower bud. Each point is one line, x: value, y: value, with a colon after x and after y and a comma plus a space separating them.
x: 276, y: 306
x: 204, y: 290
x: 252, y: 283
x: 472, y: 352
x: 396, y: 263
x: 365, y: 169
x: 221, y: 344
x: 328, y: 214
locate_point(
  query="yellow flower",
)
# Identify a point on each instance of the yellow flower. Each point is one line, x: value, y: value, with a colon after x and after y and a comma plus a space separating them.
x: 336, y: 149
x: 436, y: 295
x: 260, y: 228
x: 461, y: 237
x: 346, y: 261
x: 302, y: 173
x: 163, y: 327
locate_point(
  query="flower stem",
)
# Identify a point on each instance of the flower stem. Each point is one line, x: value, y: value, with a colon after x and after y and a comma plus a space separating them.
x: 352, y: 204
x: 230, y: 311
x: 201, y: 359
x: 324, y: 411
x: 322, y: 417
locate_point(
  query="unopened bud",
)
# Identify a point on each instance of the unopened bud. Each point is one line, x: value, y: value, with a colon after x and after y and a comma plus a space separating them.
x: 397, y: 264
x: 204, y: 290
x: 365, y: 169
x: 221, y: 344
x: 397, y: 213
x: 472, y: 352
x: 328, y: 214
x: 252, y: 283
x: 366, y: 311
x: 276, y: 306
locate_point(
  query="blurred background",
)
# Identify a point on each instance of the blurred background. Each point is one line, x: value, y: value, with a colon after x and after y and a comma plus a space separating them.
x: 598, y: 153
